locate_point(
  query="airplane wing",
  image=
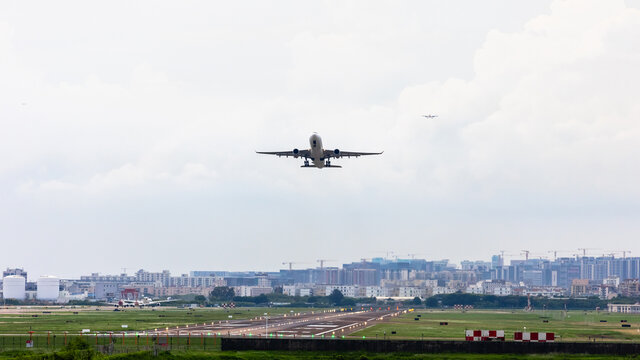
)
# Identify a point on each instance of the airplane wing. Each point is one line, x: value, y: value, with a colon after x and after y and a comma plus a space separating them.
x: 162, y: 301
x: 300, y: 153
x: 339, y: 154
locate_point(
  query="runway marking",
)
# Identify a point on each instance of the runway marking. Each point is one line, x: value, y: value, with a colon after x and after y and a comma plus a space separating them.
x: 321, y: 325
x: 324, y: 332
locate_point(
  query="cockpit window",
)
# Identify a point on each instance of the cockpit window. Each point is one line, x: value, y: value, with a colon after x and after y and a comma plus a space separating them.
x: 314, y: 143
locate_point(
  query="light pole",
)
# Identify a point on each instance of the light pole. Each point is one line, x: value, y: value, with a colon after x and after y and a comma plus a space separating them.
x: 266, y: 324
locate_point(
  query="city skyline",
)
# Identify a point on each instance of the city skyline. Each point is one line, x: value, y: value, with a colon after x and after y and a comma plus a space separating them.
x: 504, y: 258
x: 605, y: 277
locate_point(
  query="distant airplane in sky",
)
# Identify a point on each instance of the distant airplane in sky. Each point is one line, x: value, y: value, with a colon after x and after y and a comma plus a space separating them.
x: 430, y: 116
x: 320, y: 157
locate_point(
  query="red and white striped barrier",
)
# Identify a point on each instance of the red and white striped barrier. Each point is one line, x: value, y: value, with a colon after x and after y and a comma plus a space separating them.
x: 533, y: 336
x: 484, y: 335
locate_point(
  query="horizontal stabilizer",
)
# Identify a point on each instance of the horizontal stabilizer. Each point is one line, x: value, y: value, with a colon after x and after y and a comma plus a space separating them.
x: 313, y: 167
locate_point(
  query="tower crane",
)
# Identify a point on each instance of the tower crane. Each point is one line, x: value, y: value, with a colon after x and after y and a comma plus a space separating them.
x: 624, y: 253
x: 322, y: 261
x: 555, y: 253
x: 290, y: 264
x: 584, y: 250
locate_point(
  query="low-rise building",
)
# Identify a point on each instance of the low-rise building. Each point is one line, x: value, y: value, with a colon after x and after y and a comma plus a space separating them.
x: 377, y: 291
x: 244, y: 290
x: 411, y: 291
x: 624, y: 308
x: 629, y: 287
x: 162, y: 291
x: 346, y: 290
x: 442, y: 290
x: 106, y: 290
x: 585, y: 287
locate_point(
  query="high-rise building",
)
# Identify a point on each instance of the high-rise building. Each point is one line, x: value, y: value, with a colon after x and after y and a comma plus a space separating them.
x: 496, y: 260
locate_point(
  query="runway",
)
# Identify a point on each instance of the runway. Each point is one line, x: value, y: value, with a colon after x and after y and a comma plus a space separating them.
x: 322, y: 323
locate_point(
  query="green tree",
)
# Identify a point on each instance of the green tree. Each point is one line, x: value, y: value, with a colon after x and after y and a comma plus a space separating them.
x: 416, y: 301
x: 336, y: 297
x: 348, y: 302
x: 261, y: 299
x: 222, y: 293
x: 78, y: 343
x: 200, y: 299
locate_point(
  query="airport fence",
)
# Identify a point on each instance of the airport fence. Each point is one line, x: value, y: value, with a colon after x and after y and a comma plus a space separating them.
x: 111, y: 343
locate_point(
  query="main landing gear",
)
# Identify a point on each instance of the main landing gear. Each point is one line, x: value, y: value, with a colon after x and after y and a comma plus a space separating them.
x: 327, y: 163
x: 306, y: 163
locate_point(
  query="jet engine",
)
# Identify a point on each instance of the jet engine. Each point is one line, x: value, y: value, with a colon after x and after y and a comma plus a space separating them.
x: 336, y: 152
x: 295, y: 153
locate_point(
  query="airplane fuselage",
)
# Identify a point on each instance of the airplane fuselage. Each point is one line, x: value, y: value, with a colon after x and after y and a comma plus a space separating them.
x: 317, y: 152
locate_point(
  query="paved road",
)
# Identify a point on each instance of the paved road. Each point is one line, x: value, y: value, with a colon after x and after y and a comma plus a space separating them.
x: 311, y: 324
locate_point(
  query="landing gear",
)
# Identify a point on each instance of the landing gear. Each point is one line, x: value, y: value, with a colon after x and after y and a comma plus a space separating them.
x: 306, y: 163
x: 327, y: 163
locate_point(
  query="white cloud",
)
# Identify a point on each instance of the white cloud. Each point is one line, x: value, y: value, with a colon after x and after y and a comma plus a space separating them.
x: 145, y: 131
x: 550, y: 110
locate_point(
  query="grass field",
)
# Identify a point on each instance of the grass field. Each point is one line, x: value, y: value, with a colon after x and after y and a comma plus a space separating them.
x: 572, y: 326
x: 575, y: 326
x: 42, y: 320
x: 254, y: 355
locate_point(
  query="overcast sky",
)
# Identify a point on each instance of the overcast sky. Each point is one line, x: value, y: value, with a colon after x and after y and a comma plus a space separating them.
x: 128, y: 131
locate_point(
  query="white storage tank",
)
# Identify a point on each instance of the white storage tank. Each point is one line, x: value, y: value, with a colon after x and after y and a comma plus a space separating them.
x: 48, y: 288
x: 13, y: 287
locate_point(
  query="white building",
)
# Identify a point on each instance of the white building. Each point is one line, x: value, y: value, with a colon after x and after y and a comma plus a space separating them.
x: 289, y: 290
x: 263, y: 282
x: 377, y: 291
x: 442, y: 290
x: 612, y: 281
x: 346, y: 290
x: 411, y: 291
x: 242, y: 290
x: 251, y: 290
x: 543, y: 291
x: 498, y: 288
x: 65, y: 296
x: 475, y: 289
x: 625, y: 308
x: 292, y: 290
x: 502, y: 291
x: 431, y: 283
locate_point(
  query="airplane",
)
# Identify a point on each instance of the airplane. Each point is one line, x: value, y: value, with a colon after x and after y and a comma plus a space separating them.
x: 145, y: 301
x: 430, y: 116
x: 321, y: 158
